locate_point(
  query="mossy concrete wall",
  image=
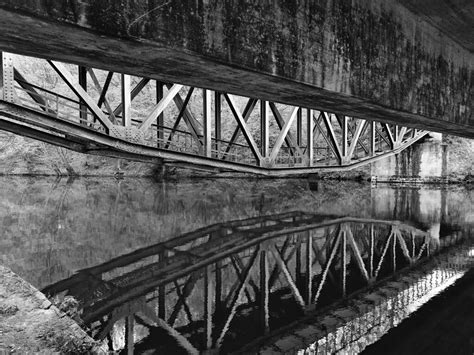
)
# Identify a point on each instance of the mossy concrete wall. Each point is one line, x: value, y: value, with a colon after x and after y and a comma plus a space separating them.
x: 370, y: 59
x: 447, y: 158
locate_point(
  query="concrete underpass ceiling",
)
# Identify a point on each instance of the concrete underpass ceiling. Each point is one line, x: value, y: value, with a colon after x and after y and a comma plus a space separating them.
x: 59, y: 30
x: 455, y: 18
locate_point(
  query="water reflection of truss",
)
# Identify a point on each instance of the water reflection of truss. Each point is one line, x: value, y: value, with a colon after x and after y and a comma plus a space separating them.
x: 213, y: 287
x: 349, y: 326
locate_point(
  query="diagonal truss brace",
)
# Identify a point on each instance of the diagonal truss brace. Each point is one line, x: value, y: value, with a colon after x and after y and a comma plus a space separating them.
x: 81, y: 93
x: 160, y: 107
x: 244, y: 128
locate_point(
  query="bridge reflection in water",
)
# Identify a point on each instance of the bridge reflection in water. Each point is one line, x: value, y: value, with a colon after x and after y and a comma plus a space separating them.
x: 315, y: 281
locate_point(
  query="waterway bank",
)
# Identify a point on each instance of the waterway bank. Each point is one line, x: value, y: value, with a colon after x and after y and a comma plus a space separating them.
x: 29, y: 323
x: 447, y: 159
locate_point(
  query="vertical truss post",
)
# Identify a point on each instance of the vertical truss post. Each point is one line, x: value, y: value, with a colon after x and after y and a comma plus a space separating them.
x: 162, y: 292
x: 394, y: 252
x: 344, y: 260
x: 265, y: 128
x: 372, y: 246
x: 218, y: 293
x: 129, y: 338
x: 264, y: 292
x: 208, y: 305
x: 372, y: 138
x: 299, y: 261
x: 206, y: 116
x: 345, y: 137
x: 82, y: 72
x: 218, y: 121
x: 160, y: 121
x: 310, y: 133
x: 8, y: 77
x: 299, y: 127
x: 1, y: 75
x: 309, y: 266
x: 126, y: 101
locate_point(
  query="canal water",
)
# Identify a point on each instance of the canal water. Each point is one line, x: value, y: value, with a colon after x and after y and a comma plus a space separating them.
x: 238, y: 265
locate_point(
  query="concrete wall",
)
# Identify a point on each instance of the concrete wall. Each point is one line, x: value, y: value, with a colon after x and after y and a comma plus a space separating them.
x: 443, y: 157
x: 372, y: 59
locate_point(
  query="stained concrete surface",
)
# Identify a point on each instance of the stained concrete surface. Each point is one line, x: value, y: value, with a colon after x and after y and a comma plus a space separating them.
x: 369, y: 59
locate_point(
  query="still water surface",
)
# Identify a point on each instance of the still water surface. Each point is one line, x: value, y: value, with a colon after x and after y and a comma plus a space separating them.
x: 227, y: 263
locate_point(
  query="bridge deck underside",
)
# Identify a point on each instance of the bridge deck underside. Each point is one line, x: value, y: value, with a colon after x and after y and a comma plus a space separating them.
x: 114, y: 114
x: 372, y: 60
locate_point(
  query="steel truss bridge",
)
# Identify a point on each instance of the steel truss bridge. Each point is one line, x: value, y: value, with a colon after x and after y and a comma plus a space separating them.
x: 114, y: 114
x: 227, y: 284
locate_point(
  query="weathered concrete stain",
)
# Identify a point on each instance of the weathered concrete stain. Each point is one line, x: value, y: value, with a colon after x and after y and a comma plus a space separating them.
x: 375, y: 50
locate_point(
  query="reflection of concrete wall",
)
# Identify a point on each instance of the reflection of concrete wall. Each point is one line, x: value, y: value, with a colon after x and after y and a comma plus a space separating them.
x: 430, y: 205
x: 427, y: 207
